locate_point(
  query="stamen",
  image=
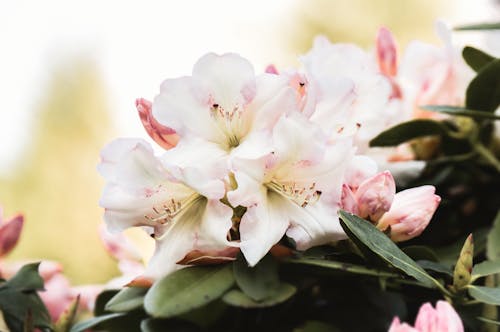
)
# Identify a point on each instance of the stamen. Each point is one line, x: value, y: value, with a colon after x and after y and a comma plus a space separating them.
x: 169, y: 210
x: 301, y: 195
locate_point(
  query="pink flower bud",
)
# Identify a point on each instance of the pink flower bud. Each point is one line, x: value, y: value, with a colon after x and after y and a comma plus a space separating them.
x: 10, y: 233
x: 375, y: 195
x: 410, y: 213
x: 166, y: 137
x: 443, y: 319
x: 387, y: 52
x: 348, y: 200
x: 271, y: 69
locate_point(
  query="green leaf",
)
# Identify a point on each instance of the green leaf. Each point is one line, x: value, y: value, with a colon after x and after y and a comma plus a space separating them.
x: 485, y: 268
x: 489, y: 321
x: 187, y: 289
x: 26, y: 279
x: 436, y: 267
x: 342, y: 266
x: 162, y: 325
x: 493, y: 240
x: 127, y: 299
x: 476, y: 59
x: 257, y: 282
x: 456, y: 110
x: 83, y: 326
x: 381, y: 245
x: 239, y: 299
x: 408, y: 130
x: 488, y: 295
x: 478, y: 26
x: 419, y: 252
x: 483, y: 92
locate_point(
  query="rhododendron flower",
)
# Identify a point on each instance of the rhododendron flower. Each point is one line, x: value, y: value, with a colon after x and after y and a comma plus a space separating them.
x: 10, y: 231
x: 407, y: 213
x: 294, y: 188
x: 410, y: 212
x: 177, y: 196
x: 223, y: 102
x: 442, y: 319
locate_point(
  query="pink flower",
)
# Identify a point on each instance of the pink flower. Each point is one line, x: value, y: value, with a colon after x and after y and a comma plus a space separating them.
x: 166, y: 137
x: 10, y: 232
x: 442, y: 319
x: 375, y: 195
x: 410, y: 212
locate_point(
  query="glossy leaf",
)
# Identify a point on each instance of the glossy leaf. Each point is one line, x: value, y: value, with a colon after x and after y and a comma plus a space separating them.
x: 479, y: 26
x: 476, y: 59
x: 83, y: 326
x: 408, y: 130
x: 435, y: 267
x: 127, y: 299
x: 239, y: 299
x: 380, y: 244
x: 483, y: 92
x: 488, y: 295
x: 493, y: 240
x: 256, y: 282
x: 456, y: 110
x: 187, y: 289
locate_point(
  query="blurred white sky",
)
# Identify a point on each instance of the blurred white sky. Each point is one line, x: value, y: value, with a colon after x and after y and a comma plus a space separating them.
x: 137, y: 44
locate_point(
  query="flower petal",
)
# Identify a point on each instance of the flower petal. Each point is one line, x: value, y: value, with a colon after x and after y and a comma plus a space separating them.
x: 166, y: 137
x: 375, y: 195
x: 10, y: 232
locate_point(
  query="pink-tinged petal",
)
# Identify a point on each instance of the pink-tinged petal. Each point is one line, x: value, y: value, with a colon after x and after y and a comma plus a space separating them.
x: 271, y: 69
x: 118, y: 246
x: 397, y: 326
x: 88, y: 294
x: 444, y: 318
x: 410, y: 213
x: 360, y: 169
x: 387, y: 52
x: 166, y: 137
x: 57, y: 295
x: 10, y: 232
x: 348, y: 200
x: 375, y: 195
x: 49, y: 269
x: 262, y: 226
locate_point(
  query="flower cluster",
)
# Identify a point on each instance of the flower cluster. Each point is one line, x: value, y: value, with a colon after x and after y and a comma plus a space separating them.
x: 248, y: 159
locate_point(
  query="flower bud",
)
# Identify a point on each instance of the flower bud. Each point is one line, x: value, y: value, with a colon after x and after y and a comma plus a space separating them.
x: 165, y: 137
x: 10, y: 233
x: 386, y: 53
x: 463, y: 268
x: 375, y: 195
x: 410, y: 213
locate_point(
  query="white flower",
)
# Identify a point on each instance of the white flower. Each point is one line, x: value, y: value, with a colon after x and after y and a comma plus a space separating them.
x: 182, y: 206
x: 293, y: 189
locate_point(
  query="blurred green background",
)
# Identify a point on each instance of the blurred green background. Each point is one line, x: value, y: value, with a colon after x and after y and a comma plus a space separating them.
x: 79, y: 104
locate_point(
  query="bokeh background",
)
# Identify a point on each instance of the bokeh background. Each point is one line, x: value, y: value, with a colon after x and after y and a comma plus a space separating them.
x: 71, y: 70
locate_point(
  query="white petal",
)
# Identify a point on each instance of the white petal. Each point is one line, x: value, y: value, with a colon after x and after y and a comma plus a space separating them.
x: 230, y: 78
x: 262, y: 226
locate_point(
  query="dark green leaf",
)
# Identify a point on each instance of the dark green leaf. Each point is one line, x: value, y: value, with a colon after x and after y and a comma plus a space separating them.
x: 476, y: 59
x: 16, y: 305
x: 417, y: 252
x: 408, y: 130
x: 456, y: 110
x: 127, y: 299
x: 83, y: 326
x: 257, y: 282
x: 436, y: 267
x: 316, y: 326
x: 488, y: 295
x: 483, y: 92
x: 238, y: 299
x: 380, y: 244
x: 187, y: 289
x: 26, y: 279
x: 479, y: 26
x: 493, y: 240
x: 162, y: 325
x: 342, y: 266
